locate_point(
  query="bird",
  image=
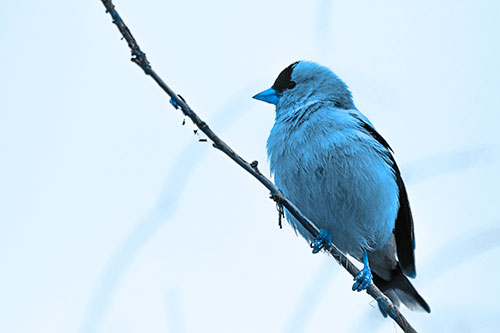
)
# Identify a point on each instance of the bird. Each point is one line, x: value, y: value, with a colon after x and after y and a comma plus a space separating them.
x: 329, y: 160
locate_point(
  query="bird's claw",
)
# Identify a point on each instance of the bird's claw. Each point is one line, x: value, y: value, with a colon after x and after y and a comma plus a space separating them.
x: 324, y: 240
x: 363, y: 279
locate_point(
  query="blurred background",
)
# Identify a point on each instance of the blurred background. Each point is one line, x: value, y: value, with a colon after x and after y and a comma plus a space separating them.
x: 115, y: 218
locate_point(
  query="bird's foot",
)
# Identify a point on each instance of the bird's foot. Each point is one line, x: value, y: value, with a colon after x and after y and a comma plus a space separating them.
x: 364, y: 277
x: 324, y: 240
x: 387, y: 310
x: 382, y: 311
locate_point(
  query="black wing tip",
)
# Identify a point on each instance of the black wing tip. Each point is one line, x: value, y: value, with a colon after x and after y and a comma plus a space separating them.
x: 409, y: 271
x: 423, y: 304
x: 427, y: 308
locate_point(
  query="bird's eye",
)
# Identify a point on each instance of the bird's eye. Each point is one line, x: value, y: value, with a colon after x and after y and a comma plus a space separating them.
x: 291, y: 85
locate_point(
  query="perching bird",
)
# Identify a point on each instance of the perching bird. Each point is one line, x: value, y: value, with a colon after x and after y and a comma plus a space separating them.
x: 329, y: 160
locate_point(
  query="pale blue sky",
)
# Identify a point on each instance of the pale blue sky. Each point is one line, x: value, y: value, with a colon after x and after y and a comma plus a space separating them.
x: 115, y: 219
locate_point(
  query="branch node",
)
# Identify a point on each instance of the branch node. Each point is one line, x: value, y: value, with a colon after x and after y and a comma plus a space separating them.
x: 275, y: 197
x: 255, y: 167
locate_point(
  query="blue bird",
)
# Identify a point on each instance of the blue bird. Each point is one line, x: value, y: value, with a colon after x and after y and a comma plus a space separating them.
x: 329, y: 160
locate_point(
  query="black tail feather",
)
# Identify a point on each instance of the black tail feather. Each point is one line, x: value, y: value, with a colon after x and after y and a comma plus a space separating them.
x: 400, y: 290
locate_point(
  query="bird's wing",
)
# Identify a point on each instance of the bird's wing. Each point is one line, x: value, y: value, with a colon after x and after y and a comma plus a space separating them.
x: 403, y: 230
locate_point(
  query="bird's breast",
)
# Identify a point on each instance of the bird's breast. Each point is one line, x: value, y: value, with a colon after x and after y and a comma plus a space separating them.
x: 337, y: 179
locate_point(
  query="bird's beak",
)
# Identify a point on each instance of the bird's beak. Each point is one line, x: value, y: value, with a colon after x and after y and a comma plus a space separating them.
x: 270, y: 96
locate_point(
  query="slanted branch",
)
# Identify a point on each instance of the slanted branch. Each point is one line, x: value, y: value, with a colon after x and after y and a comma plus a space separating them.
x: 139, y: 58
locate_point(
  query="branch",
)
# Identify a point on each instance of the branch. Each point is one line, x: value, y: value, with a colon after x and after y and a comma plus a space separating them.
x: 140, y: 59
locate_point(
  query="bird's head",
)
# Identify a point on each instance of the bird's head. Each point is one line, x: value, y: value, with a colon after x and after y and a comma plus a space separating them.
x: 305, y: 81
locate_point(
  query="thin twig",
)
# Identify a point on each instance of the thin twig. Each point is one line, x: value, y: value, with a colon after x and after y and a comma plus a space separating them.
x: 140, y: 59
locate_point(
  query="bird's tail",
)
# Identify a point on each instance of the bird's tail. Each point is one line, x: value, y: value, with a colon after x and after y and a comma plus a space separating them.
x: 400, y: 290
